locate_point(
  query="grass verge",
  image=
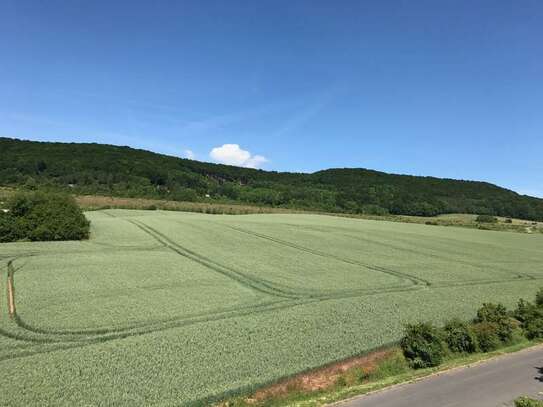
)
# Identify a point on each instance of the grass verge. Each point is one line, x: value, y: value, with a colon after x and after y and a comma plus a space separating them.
x: 390, y: 370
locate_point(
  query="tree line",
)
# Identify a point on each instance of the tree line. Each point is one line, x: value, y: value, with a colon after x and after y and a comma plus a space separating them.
x: 126, y: 172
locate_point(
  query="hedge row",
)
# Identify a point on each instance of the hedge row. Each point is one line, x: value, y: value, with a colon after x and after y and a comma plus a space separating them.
x: 426, y: 345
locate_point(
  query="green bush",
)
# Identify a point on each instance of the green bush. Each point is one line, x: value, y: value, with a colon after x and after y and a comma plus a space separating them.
x: 9, y: 232
x: 42, y: 217
x: 374, y: 210
x: 497, y: 314
x: 422, y: 345
x: 528, y: 402
x: 486, y: 219
x: 534, y: 328
x: 487, y: 336
x: 530, y: 317
x: 539, y: 298
x: 460, y: 337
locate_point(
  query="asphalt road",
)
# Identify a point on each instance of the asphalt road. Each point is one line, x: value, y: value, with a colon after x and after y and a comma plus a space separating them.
x: 496, y: 382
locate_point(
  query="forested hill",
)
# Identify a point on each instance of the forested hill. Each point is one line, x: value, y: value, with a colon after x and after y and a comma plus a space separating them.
x: 124, y: 171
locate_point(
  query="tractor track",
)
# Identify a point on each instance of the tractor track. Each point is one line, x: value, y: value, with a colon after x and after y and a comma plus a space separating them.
x: 334, y: 293
x: 514, y: 277
x: 67, y: 339
x: 243, y: 279
x: 414, y: 280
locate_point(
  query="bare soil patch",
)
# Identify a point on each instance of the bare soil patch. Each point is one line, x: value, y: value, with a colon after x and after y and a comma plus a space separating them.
x: 321, y: 378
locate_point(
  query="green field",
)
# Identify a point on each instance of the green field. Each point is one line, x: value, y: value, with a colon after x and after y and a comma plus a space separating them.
x: 172, y: 308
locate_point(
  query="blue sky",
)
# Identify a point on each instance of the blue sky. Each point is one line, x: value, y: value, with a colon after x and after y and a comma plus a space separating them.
x: 444, y: 88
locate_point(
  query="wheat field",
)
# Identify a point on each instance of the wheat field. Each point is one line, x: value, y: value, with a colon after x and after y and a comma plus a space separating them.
x: 173, y: 308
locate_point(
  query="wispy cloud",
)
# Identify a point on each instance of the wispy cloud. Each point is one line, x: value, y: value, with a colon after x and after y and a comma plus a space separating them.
x: 220, y: 121
x: 304, y: 115
x: 38, y: 120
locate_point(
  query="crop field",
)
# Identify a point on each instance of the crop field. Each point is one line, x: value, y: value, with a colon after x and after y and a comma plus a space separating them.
x: 172, y: 308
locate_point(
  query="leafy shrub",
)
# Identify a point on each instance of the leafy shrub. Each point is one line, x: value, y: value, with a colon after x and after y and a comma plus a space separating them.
x: 497, y: 314
x: 40, y: 216
x: 487, y: 336
x: 539, y: 298
x: 374, y: 210
x: 486, y: 219
x: 526, y: 311
x: 534, y: 328
x: 422, y: 345
x: 531, y: 317
x: 9, y: 232
x: 460, y: 337
x: 528, y: 402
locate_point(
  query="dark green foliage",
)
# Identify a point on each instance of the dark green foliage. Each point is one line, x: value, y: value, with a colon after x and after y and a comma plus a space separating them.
x: 539, y: 298
x: 127, y: 172
x: 530, y: 317
x: 460, y: 337
x: 533, y: 329
x: 40, y: 216
x: 9, y: 232
x: 486, y: 219
x: 422, y: 345
x: 487, y: 336
x: 497, y: 314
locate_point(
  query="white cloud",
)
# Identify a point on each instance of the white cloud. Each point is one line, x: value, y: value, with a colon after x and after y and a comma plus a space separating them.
x: 232, y: 154
x: 189, y: 154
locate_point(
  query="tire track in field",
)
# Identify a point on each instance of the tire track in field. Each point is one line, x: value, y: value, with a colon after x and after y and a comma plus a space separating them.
x: 296, y: 293
x: 514, y: 276
x: 337, y: 293
x: 11, y: 290
x: 517, y: 276
x: 82, y: 334
x: 72, y: 336
x: 166, y: 242
x: 67, y: 343
x: 40, y: 331
x: 213, y: 315
x: 89, y: 340
x: 316, y: 294
x: 425, y: 253
x: 123, y: 331
x: 243, y: 279
x: 44, y: 336
x: 413, y: 279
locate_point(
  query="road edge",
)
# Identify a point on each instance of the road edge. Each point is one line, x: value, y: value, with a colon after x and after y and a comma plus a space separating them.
x: 425, y: 374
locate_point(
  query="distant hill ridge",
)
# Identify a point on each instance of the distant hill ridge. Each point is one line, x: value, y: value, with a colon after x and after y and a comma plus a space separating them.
x: 123, y: 171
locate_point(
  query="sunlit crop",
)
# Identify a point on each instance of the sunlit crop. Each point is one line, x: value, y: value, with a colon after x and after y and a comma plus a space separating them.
x: 171, y: 308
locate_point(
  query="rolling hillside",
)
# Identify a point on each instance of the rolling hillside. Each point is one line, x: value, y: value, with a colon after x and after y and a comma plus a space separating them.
x: 124, y: 171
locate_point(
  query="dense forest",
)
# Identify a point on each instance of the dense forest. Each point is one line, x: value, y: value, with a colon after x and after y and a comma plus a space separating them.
x: 127, y: 172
